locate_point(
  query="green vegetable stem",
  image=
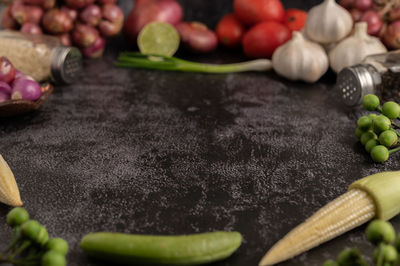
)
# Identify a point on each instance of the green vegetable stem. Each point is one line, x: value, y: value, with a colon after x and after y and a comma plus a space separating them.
x: 161, y: 250
x: 138, y: 60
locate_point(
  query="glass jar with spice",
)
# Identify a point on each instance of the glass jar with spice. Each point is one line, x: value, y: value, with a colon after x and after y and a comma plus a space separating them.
x: 41, y: 56
x: 377, y: 74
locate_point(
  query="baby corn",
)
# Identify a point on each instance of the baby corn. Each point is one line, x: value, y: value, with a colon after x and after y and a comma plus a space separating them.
x: 9, y: 193
x: 377, y: 195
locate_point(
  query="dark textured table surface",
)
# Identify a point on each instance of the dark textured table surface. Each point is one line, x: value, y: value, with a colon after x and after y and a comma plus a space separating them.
x: 169, y: 153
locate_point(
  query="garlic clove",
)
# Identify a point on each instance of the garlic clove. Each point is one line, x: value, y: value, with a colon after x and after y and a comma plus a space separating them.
x: 355, y: 48
x: 9, y: 193
x: 328, y: 22
x: 300, y: 59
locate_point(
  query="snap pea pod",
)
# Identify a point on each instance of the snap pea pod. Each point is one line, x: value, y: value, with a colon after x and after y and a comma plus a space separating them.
x: 161, y: 250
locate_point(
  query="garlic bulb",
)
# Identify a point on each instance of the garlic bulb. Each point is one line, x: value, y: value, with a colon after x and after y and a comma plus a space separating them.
x: 300, y: 59
x: 328, y: 22
x: 354, y: 49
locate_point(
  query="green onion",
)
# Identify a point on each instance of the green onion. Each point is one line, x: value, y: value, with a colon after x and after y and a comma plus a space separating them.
x: 138, y: 60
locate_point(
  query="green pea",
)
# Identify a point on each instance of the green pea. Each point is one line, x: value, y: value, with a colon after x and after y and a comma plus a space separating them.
x: 31, y: 229
x: 379, y: 154
x: 388, y: 138
x: 372, y: 116
x: 371, y: 144
x: 53, y: 258
x: 351, y: 257
x: 381, y: 123
x: 330, y: 263
x: 364, y: 123
x: 359, y: 132
x: 380, y: 231
x: 375, y: 255
x: 59, y: 245
x: 43, y: 236
x: 391, y: 110
x: 390, y: 253
x: 166, y: 250
x: 17, y: 216
x: 366, y: 136
x: 370, y: 102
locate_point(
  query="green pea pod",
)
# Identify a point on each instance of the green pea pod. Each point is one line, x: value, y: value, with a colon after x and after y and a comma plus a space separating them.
x: 162, y: 250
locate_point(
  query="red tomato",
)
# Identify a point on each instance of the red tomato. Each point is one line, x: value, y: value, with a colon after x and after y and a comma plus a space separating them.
x: 262, y: 39
x: 295, y: 19
x: 230, y: 31
x: 252, y: 12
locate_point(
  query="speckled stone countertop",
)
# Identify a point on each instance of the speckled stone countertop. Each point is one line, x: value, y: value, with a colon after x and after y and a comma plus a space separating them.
x: 153, y: 152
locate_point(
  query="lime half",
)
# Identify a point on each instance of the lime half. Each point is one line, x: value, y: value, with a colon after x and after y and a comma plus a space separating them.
x: 158, y: 38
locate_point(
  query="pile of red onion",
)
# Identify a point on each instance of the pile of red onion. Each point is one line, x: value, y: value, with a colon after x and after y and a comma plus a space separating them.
x: 14, y: 85
x: 82, y: 23
x: 383, y: 18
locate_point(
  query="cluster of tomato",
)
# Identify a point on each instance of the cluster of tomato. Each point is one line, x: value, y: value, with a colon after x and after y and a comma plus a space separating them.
x: 259, y: 26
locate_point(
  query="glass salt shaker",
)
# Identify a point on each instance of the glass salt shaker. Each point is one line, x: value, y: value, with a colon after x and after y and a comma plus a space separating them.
x: 40, y: 56
x: 377, y: 74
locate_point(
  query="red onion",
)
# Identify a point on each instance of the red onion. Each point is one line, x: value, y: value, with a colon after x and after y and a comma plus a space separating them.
x: 7, y: 21
x: 144, y: 12
x: 112, y: 13
x: 5, y: 88
x: 65, y: 39
x: 394, y: 13
x: 356, y: 14
x: 91, y: 15
x: 25, y: 89
x: 374, y: 22
x: 31, y: 28
x: 4, y: 97
x: 7, y: 70
x: 72, y: 13
x: 346, y: 3
x: 48, y: 4
x: 103, y: 2
x: 33, y: 2
x: 35, y: 14
x: 363, y: 5
x: 19, y: 11
x: 109, y: 29
x: 392, y: 35
x: 113, y: 20
x: 196, y: 37
x: 78, y: 4
x: 55, y: 21
x: 19, y: 75
x: 84, y: 35
x: 96, y: 50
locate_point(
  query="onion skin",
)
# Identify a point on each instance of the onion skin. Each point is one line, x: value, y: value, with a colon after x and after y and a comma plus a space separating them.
x: 144, y: 12
x: 91, y: 15
x: 7, y: 70
x: 84, y: 35
x: 374, y: 22
x: 72, y: 13
x: 31, y: 28
x: 7, y: 21
x: 196, y: 37
x: 96, y: 50
x: 4, y: 97
x: 5, y: 88
x: 392, y: 35
x: 25, y: 89
x: 65, y: 39
x: 56, y: 22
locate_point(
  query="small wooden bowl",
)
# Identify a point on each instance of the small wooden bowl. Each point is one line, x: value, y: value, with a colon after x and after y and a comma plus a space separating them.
x: 17, y: 107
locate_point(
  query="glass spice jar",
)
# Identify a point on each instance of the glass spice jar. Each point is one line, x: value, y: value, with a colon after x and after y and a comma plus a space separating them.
x: 40, y: 56
x: 377, y: 74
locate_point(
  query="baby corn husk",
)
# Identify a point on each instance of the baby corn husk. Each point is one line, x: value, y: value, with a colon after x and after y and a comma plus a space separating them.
x: 376, y: 195
x: 9, y: 193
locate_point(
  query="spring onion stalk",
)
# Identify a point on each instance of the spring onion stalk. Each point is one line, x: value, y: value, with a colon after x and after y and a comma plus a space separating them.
x: 138, y: 60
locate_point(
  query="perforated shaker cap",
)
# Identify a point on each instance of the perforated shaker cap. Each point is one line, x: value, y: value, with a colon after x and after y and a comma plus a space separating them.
x: 354, y: 83
x: 66, y: 63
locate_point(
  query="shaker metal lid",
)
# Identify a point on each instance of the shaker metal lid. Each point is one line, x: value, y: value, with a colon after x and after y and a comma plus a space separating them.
x: 354, y: 83
x: 66, y: 63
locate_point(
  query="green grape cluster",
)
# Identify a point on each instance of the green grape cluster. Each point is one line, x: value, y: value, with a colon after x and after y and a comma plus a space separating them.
x: 381, y: 234
x: 376, y: 131
x: 31, y: 244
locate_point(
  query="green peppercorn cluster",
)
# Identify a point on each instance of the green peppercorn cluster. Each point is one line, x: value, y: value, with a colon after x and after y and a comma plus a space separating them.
x: 31, y: 244
x: 383, y: 236
x: 376, y: 131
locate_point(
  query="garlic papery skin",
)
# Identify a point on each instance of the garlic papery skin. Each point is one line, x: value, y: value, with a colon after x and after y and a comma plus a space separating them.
x: 328, y: 22
x: 300, y: 59
x: 353, y: 50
